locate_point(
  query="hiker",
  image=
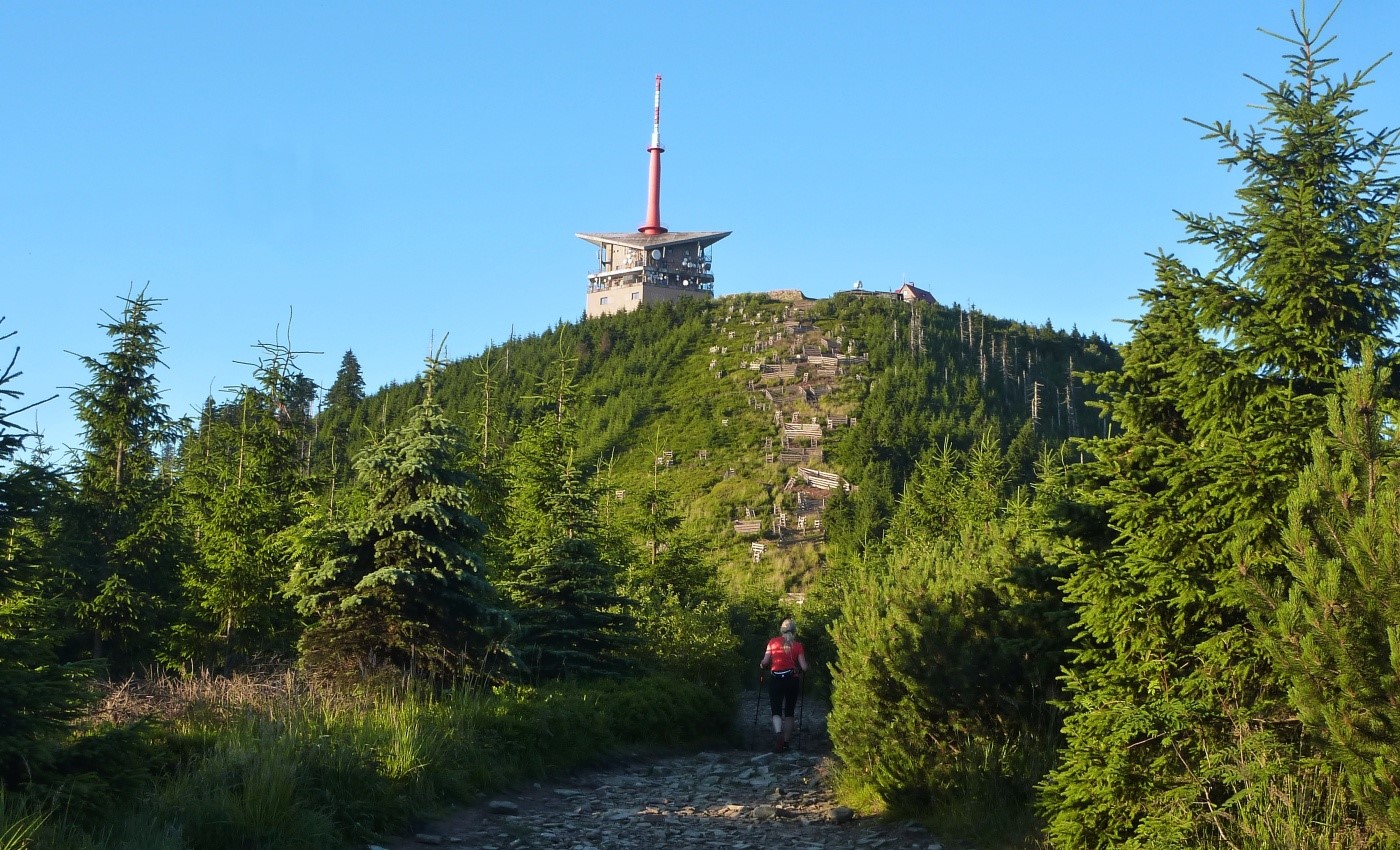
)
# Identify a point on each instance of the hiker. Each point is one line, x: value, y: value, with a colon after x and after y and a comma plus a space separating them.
x: 787, y: 661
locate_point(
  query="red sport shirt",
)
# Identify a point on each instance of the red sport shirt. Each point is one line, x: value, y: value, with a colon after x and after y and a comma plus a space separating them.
x: 783, y: 659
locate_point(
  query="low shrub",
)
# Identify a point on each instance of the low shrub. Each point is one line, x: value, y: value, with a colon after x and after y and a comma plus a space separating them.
x: 691, y: 640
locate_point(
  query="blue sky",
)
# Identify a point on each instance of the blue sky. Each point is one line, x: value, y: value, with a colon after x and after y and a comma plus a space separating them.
x: 385, y: 174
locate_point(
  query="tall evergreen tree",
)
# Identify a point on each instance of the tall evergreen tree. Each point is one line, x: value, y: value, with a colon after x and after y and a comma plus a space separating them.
x: 406, y: 584
x: 568, y: 613
x: 1174, y: 704
x: 333, y: 439
x: 488, y: 468
x: 242, y: 474
x: 664, y: 560
x: 349, y: 388
x: 37, y: 694
x: 124, y: 577
x: 569, y: 616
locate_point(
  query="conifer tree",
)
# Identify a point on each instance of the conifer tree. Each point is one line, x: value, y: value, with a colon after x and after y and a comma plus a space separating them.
x: 671, y: 562
x: 406, y: 584
x: 946, y: 656
x: 349, y: 388
x: 38, y: 695
x: 683, y: 623
x: 1333, y: 625
x: 1173, y: 702
x: 334, y: 426
x: 241, y: 477
x: 542, y: 460
x: 488, y: 468
x: 569, y: 612
x: 124, y: 575
x: 232, y: 502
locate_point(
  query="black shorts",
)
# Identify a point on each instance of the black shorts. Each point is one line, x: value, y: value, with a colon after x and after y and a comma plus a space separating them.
x: 782, y: 692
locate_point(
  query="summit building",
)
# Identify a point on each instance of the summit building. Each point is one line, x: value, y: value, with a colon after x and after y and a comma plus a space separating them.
x: 652, y: 265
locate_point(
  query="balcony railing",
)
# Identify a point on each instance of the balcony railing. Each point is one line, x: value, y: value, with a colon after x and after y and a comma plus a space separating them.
x: 600, y: 282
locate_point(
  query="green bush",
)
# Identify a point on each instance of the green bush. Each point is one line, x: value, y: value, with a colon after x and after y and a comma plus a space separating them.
x: 691, y: 642
x: 947, y: 653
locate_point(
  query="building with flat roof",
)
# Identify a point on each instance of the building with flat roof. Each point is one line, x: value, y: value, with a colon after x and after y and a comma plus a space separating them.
x: 638, y: 268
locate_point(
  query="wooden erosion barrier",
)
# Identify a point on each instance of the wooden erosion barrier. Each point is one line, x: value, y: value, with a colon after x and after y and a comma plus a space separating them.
x: 809, y: 430
x: 823, y: 480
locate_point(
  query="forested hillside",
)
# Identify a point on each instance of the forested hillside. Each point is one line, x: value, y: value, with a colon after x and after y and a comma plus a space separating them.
x: 722, y: 405
x: 1059, y: 594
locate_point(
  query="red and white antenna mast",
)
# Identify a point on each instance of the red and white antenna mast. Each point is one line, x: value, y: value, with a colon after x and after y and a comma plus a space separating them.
x: 653, y: 222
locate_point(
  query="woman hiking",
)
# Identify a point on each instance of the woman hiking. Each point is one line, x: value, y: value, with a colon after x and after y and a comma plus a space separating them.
x: 787, y: 661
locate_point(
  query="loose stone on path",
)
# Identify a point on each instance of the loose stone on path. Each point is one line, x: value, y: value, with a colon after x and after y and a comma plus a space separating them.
x: 733, y: 800
x: 708, y: 801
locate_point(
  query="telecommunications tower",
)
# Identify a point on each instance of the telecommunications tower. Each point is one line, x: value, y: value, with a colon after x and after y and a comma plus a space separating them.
x: 653, y: 264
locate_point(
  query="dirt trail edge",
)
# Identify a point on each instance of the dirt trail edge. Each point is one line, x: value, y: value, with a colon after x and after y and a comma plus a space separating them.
x: 734, y: 799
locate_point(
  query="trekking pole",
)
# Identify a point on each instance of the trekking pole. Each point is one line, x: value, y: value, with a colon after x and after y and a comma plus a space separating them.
x: 801, y: 704
x: 757, y: 700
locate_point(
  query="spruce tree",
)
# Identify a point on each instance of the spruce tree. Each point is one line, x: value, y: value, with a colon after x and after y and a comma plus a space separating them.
x: 38, y: 695
x: 569, y: 617
x: 241, y: 479
x: 683, y: 622
x: 1173, y: 702
x: 123, y: 579
x: 405, y: 585
x: 670, y: 562
x: 349, y: 388
x: 488, y: 468
x: 334, y: 426
x: 569, y: 613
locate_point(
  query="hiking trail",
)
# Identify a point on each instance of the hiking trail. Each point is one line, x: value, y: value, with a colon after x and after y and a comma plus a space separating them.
x: 740, y: 799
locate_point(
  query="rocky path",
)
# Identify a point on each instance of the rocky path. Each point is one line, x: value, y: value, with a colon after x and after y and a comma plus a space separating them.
x: 734, y: 799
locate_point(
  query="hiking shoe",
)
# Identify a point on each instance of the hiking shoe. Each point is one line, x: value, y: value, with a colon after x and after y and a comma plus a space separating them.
x: 787, y: 745
x: 779, y: 744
